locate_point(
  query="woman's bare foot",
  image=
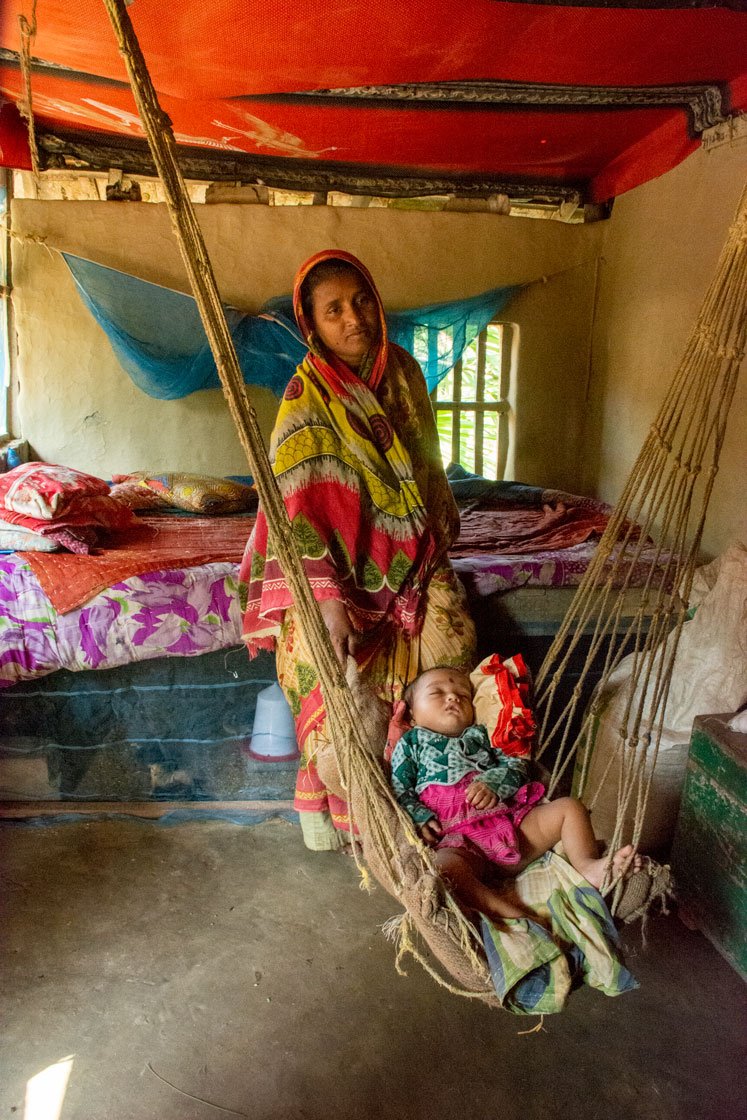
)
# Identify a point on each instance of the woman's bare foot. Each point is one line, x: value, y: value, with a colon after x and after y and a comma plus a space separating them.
x: 625, y: 863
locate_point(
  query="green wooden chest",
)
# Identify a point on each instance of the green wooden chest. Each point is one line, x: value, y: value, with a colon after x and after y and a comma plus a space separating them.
x: 709, y: 856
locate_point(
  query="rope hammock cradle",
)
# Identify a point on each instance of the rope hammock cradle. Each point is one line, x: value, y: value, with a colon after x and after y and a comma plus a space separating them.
x: 665, y: 494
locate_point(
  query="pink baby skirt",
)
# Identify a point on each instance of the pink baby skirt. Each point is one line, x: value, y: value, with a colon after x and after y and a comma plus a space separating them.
x: 493, y: 832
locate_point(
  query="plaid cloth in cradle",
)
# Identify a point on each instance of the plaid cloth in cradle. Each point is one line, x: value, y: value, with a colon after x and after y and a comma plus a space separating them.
x: 535, y: 968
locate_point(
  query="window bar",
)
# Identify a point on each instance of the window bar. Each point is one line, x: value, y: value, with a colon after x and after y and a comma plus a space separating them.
x: 6, y: 310
x: 456, y: 416
x: 480, y: 398
x: 433, y: 353
x: 506, y: 342
x: 503, y: 415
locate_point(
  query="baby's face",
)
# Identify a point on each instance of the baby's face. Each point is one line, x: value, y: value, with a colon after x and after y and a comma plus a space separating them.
x: 442, y: 702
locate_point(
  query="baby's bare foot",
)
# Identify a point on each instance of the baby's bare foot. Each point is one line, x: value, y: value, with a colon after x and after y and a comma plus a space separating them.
x: 625, y: 863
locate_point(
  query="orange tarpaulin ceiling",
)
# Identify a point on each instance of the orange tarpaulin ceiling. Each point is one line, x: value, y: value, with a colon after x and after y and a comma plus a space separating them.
x: 476, y: 97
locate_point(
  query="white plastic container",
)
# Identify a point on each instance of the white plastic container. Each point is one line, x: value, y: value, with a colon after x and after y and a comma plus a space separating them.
x: 273, y: 730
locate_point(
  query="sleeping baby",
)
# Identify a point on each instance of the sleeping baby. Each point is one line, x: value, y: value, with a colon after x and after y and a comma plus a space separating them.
x: 474, y: 805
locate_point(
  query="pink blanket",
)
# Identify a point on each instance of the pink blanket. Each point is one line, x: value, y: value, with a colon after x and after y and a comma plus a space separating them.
x: 493, y: 832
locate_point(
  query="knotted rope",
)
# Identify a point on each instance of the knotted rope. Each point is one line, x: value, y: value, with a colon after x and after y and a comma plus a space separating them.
x: 400, y: 860
x: 660, y: 492
x: 25, y: 106
x: 666, y: 495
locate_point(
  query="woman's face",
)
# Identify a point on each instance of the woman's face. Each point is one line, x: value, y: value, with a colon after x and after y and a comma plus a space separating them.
x: 346, y: 316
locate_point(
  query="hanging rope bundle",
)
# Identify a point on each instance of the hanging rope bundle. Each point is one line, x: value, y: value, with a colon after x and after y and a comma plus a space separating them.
x: 666, y: 497
x: 400, y: 860
x: 25, y: 106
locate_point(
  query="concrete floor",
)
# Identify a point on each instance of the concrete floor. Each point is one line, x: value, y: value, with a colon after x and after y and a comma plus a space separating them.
x: 252, y: 973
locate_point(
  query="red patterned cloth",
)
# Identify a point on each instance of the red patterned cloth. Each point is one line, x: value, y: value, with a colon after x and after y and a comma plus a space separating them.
x: 497, y: 531
x: 65, y: 505
x: 99, y: 510
x: 154, y: 543
x: 501, y: 703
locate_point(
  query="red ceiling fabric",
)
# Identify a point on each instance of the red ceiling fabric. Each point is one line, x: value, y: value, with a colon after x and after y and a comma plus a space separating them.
x: 14, y: 146
x: 220, y: 68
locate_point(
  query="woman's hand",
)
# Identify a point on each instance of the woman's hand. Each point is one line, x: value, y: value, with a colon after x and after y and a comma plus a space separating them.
x: 480, y: 796
x: 431, y: 831
x: 342, y: 634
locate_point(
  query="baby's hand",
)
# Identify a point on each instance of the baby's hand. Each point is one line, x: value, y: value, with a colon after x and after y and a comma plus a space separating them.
x: 480, y: 796
x: 431, y: 831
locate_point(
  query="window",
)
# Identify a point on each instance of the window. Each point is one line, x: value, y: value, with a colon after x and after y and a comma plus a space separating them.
x: 4, y: 303
x: 472, y: 404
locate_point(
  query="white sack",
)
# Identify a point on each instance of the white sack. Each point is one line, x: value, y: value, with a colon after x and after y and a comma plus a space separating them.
x: 709, y: 676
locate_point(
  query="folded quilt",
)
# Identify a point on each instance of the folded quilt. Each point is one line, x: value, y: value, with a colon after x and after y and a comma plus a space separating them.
x: 152, y: 544
x: 67, y: 506
x: 47, y: 490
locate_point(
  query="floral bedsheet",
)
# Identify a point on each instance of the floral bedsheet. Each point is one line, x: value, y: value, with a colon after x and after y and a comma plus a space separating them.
x: 177, y: 612
x: 563, y: 567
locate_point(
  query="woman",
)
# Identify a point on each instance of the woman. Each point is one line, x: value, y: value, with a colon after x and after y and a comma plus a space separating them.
x: 355, y: 453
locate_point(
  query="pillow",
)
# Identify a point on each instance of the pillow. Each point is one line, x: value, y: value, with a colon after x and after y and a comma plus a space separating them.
x: 196, y: 493
x: 137, y: 495
x: 46, y: 490
x: 501, y: 703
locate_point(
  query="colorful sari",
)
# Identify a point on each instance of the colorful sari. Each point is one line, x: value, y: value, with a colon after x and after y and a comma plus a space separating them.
x: 359, y: 468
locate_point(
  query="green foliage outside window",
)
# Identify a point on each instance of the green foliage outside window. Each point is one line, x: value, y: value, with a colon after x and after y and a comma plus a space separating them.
x: 465, y: 384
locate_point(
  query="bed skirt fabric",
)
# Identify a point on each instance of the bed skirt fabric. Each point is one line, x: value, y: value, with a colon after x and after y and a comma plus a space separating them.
x: 167, y: 729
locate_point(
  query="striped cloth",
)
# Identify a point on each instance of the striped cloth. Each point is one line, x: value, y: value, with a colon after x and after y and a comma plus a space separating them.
x: 536, y: 964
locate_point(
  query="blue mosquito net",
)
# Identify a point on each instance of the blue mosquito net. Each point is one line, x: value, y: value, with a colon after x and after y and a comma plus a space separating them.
x: 160, y: 342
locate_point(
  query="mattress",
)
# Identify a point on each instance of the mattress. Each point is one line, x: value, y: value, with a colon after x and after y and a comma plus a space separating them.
x: 187, y: 611
x: 182, y: 612
x: 190, y: 611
